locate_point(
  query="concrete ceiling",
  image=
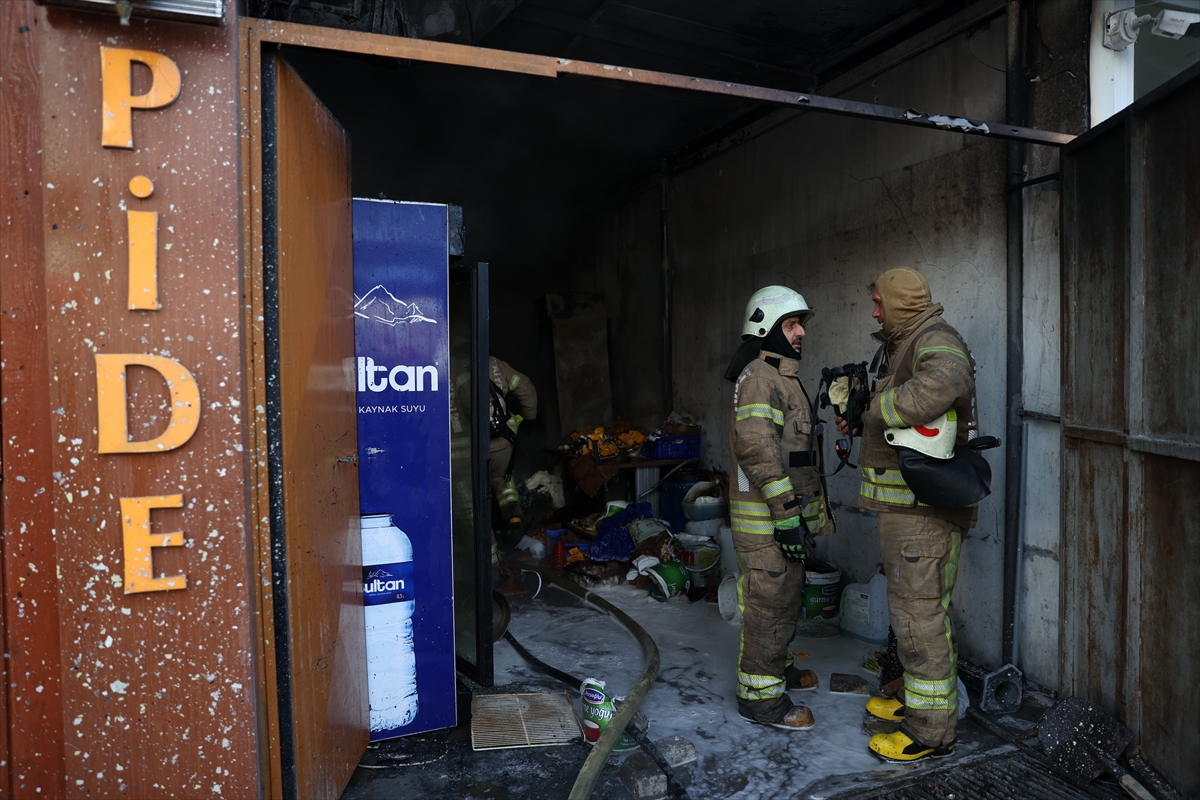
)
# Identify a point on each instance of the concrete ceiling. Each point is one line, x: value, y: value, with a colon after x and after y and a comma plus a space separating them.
x: 796, y: 44
x: 763, y: 42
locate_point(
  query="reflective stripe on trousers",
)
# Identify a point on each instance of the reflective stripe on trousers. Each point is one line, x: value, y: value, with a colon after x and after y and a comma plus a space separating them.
x: 770, y: 593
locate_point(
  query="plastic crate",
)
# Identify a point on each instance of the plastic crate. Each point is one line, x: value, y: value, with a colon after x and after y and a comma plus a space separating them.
x: 677, y: 447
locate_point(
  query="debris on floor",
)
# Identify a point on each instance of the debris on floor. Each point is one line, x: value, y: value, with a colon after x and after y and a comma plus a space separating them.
x: 1001, y: 776
x: 522, y: 720
x: 549, y: 485
x: 644, y: 778
x: 841, y: 683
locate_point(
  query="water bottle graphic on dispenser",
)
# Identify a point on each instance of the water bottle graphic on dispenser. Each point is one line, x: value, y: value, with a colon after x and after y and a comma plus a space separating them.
x: 389, y: 603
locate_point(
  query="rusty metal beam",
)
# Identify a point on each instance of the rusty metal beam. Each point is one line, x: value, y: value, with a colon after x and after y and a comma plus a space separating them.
x: 548, y: 66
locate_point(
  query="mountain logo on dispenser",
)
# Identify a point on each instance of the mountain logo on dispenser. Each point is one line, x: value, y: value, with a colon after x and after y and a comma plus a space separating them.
x: 380, y: 305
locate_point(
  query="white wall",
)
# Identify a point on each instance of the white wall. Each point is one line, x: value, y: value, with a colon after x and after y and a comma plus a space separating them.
x: 1111, y: 71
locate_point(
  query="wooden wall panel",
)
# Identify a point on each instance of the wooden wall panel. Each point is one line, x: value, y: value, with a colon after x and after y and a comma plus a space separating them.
x: 1170, y: 228
x: 1132, y: 441
x: 1170, y: 641
x: 32, y: 730
x: 1095, y: 250
x: 1094, y: 594
x: 158, y: 687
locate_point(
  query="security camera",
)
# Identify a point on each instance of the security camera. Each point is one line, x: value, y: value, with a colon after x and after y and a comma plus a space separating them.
x: 1176, y: 25
x: 1121, y: 27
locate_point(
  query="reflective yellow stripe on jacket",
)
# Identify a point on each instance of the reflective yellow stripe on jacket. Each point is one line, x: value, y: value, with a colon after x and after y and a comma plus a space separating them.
x: 886, y: 487
x: 887, y: 408
x: 764, y: 410
x: 776, y: 488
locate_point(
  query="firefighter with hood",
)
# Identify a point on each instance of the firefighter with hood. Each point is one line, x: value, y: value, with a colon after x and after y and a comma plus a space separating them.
x: 924, y: 390
x: 507, y: 384
x: 776, y: 504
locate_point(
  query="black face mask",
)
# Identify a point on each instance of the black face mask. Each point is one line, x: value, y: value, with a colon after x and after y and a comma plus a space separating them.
x: 746, y: 352
x: 778, y: 344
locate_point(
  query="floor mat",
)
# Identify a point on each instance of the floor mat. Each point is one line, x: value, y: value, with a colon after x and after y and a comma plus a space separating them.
x: 522, y: 720
x: 1006, y: 776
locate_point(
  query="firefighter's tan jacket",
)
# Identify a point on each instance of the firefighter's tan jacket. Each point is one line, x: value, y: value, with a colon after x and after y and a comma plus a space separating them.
x: 508, y: 380
x: 928, y: 370
x: 770, y: 478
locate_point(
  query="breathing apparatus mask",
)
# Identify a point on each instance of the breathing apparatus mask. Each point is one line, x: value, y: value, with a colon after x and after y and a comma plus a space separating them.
x: 848, y: 390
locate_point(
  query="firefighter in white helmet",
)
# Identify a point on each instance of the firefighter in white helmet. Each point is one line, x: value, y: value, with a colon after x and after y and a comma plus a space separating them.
x: 776, y: 503
x: 924, y: 390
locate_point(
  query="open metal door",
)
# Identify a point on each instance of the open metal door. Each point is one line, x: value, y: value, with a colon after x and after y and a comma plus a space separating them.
x: 313, y: 444
x: 1130, y: 638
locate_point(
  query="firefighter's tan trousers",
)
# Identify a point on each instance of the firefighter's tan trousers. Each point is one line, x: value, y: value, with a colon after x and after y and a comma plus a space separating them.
x: 770, y: 596
x: 920, y: 555
x: 504, y: 491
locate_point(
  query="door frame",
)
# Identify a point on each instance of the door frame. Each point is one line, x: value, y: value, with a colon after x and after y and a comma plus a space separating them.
x: 482, y: 671
x: 254, y: 36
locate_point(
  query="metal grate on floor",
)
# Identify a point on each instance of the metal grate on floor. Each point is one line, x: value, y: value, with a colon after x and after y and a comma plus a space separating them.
x: 1006, y: 776
x: 500, y: 721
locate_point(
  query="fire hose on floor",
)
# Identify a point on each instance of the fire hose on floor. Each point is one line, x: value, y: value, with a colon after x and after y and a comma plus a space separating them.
x: 589, y: 773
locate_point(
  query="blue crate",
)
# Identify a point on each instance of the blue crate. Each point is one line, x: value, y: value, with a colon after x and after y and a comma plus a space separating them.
x: 677, y: 447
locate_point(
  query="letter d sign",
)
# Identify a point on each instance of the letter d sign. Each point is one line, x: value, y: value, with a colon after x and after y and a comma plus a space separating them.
x: 116, y: 75
x: 112, y: 400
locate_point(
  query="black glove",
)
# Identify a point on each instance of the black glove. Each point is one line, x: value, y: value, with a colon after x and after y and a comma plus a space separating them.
x: 792, y: 540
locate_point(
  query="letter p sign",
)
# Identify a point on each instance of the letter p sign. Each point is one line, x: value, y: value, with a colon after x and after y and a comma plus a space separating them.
x: 116, y: 75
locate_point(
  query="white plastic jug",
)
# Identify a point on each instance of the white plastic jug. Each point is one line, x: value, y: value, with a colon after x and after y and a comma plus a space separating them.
x: 865, y: 610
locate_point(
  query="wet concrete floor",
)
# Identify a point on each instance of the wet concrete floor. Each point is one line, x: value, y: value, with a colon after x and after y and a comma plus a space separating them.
x: 692, y: 697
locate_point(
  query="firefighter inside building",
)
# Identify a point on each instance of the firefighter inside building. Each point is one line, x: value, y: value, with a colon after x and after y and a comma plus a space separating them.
x: 924, y: 385
x: 777, y: 504
x: 505, y: 385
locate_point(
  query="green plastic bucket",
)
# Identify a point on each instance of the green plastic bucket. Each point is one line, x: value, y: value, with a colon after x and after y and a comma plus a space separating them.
x: 822, y: 590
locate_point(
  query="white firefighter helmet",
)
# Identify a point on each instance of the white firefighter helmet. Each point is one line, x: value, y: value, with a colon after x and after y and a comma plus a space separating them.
x: 934, y: 439
x: 769, y: 305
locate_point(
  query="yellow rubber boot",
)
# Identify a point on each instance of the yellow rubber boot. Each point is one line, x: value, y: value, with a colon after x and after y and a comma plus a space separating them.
x: 900, y: 747
x: 888, y: 708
